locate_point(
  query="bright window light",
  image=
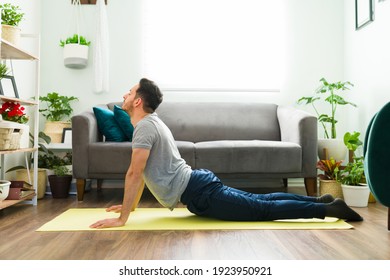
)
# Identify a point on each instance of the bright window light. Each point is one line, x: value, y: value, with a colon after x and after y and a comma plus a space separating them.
x: 214, y: 45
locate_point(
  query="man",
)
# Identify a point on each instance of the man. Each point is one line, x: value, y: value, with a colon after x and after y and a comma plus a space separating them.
x: 156, y: 161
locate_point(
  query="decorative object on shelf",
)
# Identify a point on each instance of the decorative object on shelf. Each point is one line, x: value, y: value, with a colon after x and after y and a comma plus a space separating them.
x: 15, y: 190
x: 67, y: 136
x: 76, y: 47
x: 14, y: 112
x: 328, y: 181
x: 333, y: 97
x: 4, y: 189
x: 11, y: 16
x: 364, y: 13
x: 60, y: 182
x: 8, y: 86
x: 57, y: 113
x: 26, y: 174
x: 10, y: 135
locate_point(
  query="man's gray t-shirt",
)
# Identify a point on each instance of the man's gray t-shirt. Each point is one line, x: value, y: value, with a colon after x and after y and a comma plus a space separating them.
x: 166, y: 174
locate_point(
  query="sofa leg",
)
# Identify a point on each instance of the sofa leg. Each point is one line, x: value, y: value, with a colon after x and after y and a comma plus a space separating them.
x: 99, y: 184
x: 80, y: 183
x: 285, y: 183
x: 311, y: 186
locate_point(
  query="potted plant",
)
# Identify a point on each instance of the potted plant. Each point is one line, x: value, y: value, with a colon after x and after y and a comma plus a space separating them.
x: 11, y: 16
x: 3, y: 70
x: 57, y: 113
x: 352, y: 179
x: 4, y: 189
x: 75, y: 51
x: 330, y: 93
x: 329, y: 179
x: 60, y: 181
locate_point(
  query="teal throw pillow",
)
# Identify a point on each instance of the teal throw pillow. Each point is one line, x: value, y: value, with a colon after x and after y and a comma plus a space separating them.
x: 123, y: 119
x: 108, y: 126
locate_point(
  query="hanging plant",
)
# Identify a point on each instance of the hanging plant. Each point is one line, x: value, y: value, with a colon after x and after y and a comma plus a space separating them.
x: 75, y: 51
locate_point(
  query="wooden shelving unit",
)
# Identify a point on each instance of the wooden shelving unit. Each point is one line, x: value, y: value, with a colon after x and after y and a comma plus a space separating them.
x: 9, y: 51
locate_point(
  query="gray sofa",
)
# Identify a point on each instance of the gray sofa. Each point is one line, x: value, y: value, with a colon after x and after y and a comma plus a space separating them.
x: 245, y: 144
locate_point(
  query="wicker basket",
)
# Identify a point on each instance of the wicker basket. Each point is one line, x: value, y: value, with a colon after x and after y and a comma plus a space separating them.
x: 11, y: 34
x: 10, y: 135
x: 331, y: 187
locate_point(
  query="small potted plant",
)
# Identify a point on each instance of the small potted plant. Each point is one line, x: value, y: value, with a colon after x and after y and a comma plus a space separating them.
x: 329, y: 179
x: 352, y: 178
x: 75, y: 51
x: 60, y: 181
x: 57, y: 113
x: 330, y: 93
x: 11, y: 16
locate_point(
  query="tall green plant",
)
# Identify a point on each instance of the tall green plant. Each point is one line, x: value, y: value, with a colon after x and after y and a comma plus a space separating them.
x: 57, y: 106
x: 329, y: 93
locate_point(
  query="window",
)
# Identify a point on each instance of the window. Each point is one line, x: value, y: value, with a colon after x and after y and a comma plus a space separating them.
x: 214, y: 45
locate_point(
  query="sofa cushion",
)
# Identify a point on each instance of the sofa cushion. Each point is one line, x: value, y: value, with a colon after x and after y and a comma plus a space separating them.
x: 249, y: 156
x: 108, y: 126
x: 208, y: 121
x: 123, y: 120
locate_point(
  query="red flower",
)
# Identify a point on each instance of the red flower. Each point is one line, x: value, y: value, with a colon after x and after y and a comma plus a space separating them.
x: 13, y: 111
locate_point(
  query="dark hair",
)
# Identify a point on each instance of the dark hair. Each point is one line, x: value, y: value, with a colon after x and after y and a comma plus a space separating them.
x: 150, y: 94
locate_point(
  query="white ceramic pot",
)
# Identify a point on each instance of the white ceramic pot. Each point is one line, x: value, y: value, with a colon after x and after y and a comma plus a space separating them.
x: 4, y: 189
x: 75, y: 56
x: 335, y: 148
x: 356, y: 196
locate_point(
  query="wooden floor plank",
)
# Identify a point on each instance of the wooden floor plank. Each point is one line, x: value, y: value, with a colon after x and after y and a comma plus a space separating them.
x: 369, y: 239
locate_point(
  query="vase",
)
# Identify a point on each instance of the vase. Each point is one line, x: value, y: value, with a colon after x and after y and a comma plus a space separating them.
x: 60, y: 185
x: 4, y: 189
x: 75, y: 56
x: 356, y: 196
x: 331, y: 187
x: 55, y: 130
x: 11, y: 34
x: 335, y: 148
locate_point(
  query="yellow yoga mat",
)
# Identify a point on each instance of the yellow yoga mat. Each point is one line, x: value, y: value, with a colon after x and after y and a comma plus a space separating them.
x: 79, y: 219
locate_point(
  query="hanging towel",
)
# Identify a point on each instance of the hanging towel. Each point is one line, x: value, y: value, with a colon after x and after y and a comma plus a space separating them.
x: 101, y: 49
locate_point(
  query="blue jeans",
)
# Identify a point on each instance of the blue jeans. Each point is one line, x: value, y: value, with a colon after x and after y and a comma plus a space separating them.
x: 206, y: 196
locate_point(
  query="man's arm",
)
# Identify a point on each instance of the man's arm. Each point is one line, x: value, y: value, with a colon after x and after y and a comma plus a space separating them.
x: 134, y: 185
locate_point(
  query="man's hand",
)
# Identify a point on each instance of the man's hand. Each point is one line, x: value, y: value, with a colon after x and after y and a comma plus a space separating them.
x: 106, y: 223
x: 114, y: 208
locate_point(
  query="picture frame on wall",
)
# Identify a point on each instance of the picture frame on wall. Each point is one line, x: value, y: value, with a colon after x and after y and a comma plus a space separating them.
x: 8, y: 86
x: 364, y: 13
x: 67, y: 136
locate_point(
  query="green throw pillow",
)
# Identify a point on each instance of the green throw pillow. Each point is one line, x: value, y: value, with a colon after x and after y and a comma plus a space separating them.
x: 108, y: 126
x: 123, y: 119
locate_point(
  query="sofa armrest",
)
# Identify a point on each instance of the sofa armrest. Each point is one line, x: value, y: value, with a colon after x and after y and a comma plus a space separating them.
x: 300, y: 127
x: 84, y: 132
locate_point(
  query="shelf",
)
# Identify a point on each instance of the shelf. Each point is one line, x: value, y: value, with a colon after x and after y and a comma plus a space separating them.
x: 21, y: 101
x: 17, y: 151
x: 10, y: 51
x: 7, y: 203
x: 59, y: 146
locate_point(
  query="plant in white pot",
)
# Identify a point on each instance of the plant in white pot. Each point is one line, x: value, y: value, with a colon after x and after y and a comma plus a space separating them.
x: 11, y: 16
x: 330, y: 93
x: 75, y: 51
x: 57, y: 113
x: 352, y: 178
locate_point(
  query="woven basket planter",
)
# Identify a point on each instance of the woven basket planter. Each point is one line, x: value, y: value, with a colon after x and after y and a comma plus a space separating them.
x: 55, y: 130
x: 10, y: 138
x: 331, y: 187
x: 11, y: 34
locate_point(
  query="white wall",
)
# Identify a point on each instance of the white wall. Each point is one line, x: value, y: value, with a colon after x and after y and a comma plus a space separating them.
x: 367, y: 63
x: 311, y: 54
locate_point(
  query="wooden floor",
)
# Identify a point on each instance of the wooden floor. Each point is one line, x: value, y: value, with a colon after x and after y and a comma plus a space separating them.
x: 369, y: 239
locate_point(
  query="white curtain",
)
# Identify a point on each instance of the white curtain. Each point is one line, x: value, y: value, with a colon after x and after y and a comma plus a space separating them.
x: 101, y: 49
